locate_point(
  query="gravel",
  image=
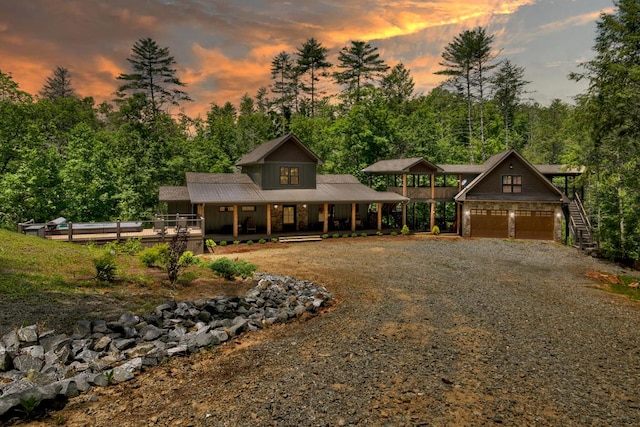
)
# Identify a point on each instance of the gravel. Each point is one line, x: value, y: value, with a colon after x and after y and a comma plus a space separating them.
x: 424, y: 331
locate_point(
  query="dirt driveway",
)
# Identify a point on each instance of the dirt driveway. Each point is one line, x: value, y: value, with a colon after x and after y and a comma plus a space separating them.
x: 424, y: 331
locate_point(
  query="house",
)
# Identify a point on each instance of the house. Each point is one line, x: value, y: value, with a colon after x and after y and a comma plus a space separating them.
x: 279, y: 190
x: 505, y: 197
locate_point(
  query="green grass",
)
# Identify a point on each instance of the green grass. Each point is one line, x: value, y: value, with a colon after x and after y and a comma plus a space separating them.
x: 30, y: 264
x: 624, y: 289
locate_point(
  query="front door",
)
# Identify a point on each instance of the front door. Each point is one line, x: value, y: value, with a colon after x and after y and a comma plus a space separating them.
x: 288, y: 218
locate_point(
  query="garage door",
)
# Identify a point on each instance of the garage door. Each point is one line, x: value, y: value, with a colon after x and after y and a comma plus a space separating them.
x: 534, y: 225
x: 489, y: 223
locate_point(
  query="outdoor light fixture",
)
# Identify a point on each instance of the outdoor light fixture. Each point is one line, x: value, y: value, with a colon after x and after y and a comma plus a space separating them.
x: 512, y: 214
x: 510, y: 165
x: 275, y: 206
x: 304, y: 206
x: 467, y: 213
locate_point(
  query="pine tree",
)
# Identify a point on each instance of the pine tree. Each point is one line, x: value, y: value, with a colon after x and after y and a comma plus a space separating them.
x: 153, y: 75
x: 58, y: 85
x: 312, y: 61
x: 508, y: 87
x: 397, y: 86
x: 361, y: 64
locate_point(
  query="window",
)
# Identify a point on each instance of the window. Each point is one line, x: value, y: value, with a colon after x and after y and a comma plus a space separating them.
x: 289, y: 215
x: 512, y: 183
x: 289, y: 175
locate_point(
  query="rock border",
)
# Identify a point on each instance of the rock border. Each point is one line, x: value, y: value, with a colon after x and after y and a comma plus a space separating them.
x: 43, y: 366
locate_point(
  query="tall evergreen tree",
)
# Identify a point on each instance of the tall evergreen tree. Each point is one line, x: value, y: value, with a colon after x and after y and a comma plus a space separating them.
x: 153, y: 75
x: 58, y: 85
x: 397, y: 86
x: 466, y: 60
x: 361, y: 64
x: 312, y: 61
x: 285, y: 83
x: 612, y: 106
x: 508, y: 87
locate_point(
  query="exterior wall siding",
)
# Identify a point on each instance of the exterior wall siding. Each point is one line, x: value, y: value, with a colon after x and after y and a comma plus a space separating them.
x: 271, y: 175
x: 512, y: 207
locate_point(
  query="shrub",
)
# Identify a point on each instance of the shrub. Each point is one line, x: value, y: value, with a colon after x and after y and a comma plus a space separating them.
x: 336, y: 235
x: 345, y: 235
x: 155, y: 255
x: 363, y: 234
x: 274, y: 240
x: 405, y: 230
x: 394, y: 233
x: 249, y: 242
x: 129, y: 247
x: 228, y: 269
x: 435, y: 230
x: 236, y: 242
x: 223, y: 243
x: 105, y: 267
x: 379, y: 233
x: 354, y: 234
x: 325, y: 236
x: 210, y: 243
x: 262, y: 241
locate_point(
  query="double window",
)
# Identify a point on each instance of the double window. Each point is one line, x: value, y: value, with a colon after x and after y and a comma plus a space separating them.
x: 289, y: 175
x: 512, y: 183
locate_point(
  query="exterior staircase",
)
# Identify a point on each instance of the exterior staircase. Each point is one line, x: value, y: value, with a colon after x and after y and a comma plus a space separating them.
x: 580, y: 227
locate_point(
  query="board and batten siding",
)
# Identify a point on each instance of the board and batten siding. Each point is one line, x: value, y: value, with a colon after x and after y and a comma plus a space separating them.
x: 271, y: 175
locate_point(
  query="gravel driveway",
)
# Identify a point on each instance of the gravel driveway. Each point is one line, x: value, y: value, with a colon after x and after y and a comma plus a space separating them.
x: 424, y: 331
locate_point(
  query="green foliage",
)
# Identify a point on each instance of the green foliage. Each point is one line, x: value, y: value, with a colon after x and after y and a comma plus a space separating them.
x: 363, y: 234
x: 354, y: 234
x: 105, y: 267
x: 249, y: 242
x: 229, y: 269
x: 155, y: 255
x: 129, y: 247
x: 262, y: 241
x: 274, y: 240
x: 379, y: 233
x: 29, y: 406
x: 236, y: 242
x: 435, y: 230
x: 223, y: 243
x: 335, y: 235
x: 210, y: 243
x: 394, y: 233
x: 325, y: 236
x: 108, y: 376
x: 345, y: 235
x: 405, y: 230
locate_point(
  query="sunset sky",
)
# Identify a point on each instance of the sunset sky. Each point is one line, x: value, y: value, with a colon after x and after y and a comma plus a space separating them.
x: 224, y: 49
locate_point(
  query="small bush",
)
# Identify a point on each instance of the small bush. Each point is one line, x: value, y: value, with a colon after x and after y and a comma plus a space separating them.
x: 394, y: 233
x: 262, y: 241
x: 228, y: 269
x: 405, y: 230
x: 274, y: 240
x: 363, y: 234
x: 336, y: 235
x: 223, y: 243
x: 155, y: 255
x: 345, y: 235
x: 354, y: 234
x: 435, y: 230
x: 210, y: 243
x: 236, y: 242
x: 105, y: 267
x: 131, y: 246
x: 249, y: 242
x: 325, y: 236
x: 187, y: 259
x: 379, y: 233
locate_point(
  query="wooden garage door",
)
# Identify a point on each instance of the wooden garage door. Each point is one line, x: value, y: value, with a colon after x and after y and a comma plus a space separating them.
x: 489, y: 223
x: 534, y: 225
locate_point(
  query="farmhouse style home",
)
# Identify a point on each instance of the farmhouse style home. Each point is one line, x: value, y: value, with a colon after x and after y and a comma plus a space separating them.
x: 278, y: 190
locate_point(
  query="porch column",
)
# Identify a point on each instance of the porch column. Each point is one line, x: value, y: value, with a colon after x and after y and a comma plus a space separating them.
x: 459, y: 207
x: 432, y: 215
x: 404, y: 193
x: 379, y: 216
x: 353, y: 217
x: 235, y: 220
x: 325, y: 214
x: 268, y: 219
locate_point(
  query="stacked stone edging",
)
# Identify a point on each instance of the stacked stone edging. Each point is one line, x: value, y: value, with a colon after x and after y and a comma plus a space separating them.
x: 44, y: 365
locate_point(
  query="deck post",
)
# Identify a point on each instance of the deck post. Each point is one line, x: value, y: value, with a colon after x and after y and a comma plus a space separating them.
x: 404, y: 193
x: 235, y: 220
x: 379, y: 216
x: 268, y: 219
x: 325, y: 213
x: 353, y: 217
x: 70, y: 231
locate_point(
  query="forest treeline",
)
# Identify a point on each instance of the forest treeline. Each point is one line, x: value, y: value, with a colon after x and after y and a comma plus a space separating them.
x: 61, y: 154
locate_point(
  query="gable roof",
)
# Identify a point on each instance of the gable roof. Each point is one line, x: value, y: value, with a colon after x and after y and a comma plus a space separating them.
x: 497, y: 159
x: 262, y: 151
x: 400, y: 166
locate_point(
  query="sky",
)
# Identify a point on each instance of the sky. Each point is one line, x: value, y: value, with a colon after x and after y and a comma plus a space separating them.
x: 224, y: 48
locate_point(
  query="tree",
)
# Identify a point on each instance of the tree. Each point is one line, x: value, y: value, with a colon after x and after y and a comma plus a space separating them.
x: 285, y: 83
x: 153, y: 76
x: 312, y: 61
x: 361, y: 64
x: 58, y: 85
x: 466, y: 60
x: 611, y: 105
x: 397, y: 86
x: 508, y: 87
x: 10, y: 90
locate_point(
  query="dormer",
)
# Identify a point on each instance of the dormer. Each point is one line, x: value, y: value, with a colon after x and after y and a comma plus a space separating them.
x: 281, y: 164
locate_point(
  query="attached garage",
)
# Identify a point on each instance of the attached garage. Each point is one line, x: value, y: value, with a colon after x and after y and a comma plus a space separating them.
x: 490, y: 223
x: 534, y: 225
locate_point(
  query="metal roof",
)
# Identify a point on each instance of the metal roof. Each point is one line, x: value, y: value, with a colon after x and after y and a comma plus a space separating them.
x: 399, y: 165
x: 173, y: 194
x: 241, y: 190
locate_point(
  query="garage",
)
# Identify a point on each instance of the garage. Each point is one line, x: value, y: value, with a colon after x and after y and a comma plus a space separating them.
x: 534, y: 225
x: 489, y: 223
